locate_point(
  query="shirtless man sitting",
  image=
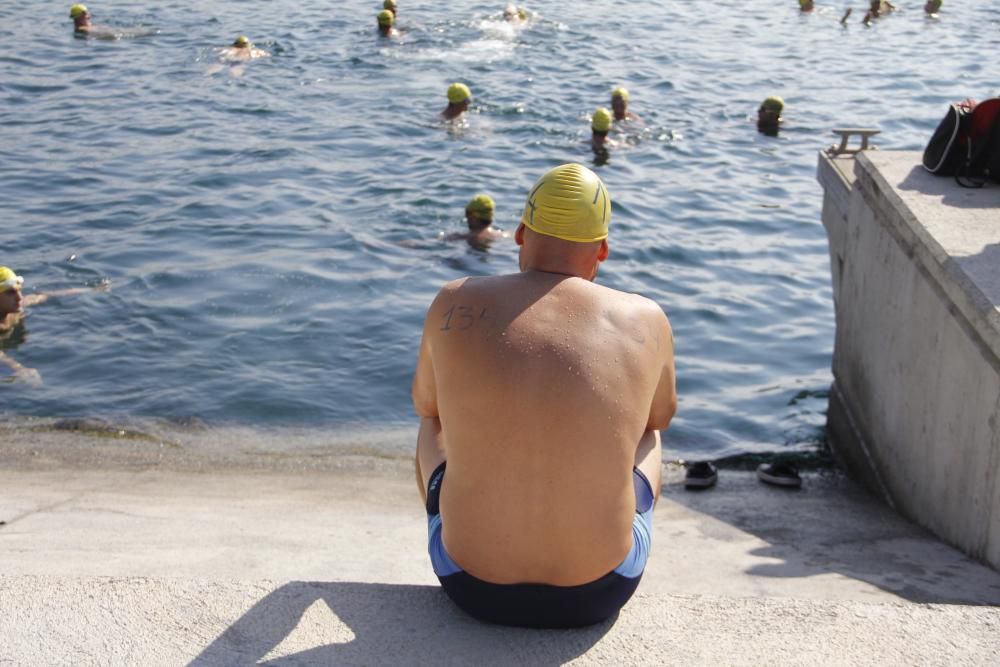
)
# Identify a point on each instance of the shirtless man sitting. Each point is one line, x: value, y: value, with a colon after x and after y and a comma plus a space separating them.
x: 544, y: 394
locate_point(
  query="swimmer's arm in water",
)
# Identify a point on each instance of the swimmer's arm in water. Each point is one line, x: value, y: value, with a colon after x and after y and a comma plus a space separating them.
x: 42, y: 297
x: 21, y: 371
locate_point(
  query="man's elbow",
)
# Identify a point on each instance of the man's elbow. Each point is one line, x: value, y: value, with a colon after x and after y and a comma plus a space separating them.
x: 661, y: 418
x: 423, y: 405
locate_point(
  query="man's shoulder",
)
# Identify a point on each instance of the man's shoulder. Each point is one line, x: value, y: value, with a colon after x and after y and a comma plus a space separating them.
x: 629, y: 300
x: 466, y: 287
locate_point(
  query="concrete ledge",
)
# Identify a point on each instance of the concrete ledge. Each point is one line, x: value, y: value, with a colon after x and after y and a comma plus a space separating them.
x: 916, y: 398
x: 953, y: 232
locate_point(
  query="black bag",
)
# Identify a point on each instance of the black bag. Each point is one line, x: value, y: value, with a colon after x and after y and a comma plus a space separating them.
x: 993, y: 146
x: 948, y: 149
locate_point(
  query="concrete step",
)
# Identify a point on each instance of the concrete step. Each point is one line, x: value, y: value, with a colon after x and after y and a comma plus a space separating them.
x: 159, y: 561
x: 164, y: 621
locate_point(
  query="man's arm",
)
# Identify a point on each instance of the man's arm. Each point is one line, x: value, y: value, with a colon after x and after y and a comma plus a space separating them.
x: 21, y: 371
x: 424, y: 387
x: 430, y: 449
x: 664, y: 403
x: 42, y: 297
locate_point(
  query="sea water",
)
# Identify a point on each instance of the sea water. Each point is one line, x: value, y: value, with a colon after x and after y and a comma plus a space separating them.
x: 273, y: 232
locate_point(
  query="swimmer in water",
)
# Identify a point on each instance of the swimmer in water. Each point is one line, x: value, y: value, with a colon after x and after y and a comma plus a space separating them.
x: 242, y: 49
x: 769, y: 116
x: 806, y: 5
x: 81, y: 19
x: 600, y: 125
x: 619, y: 105
x: 513, y: 14
x: 932, y: 7
x: 391, y: 6
x: 479, y: 214
x: 385, y: 20
x: 12, y: 305
x: 459, y: 97
x: 83, y: 27
x: 876, y: 8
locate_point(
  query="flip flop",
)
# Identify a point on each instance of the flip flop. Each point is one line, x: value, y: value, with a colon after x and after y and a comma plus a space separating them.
x: 700, y: 475
x: 781, y: 473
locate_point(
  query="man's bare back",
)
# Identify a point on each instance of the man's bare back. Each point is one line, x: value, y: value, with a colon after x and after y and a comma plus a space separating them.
x: 542, y: 390
x: 544, y: 383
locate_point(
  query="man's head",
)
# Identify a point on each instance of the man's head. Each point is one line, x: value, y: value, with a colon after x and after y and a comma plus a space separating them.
x: 876, y: 6
x: 11, y: 300
x: 564, y: 227
x: 769, y: 113
x: 80, y: 15
x: 933, y: 6
x: 390, y: 5
x: 601, y: 121
x: 619, y: 102
x: 479, y: 212
x: 459, y: 95
x: 385, y: 20
x: 510, y: 13
x: 241, y: 42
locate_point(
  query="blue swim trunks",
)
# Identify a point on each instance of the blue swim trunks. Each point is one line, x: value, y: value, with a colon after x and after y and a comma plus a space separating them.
x: 542, y: 605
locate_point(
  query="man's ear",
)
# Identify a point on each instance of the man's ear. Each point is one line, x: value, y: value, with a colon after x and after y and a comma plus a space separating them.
x: 519, y: 234
x: 602, y: 254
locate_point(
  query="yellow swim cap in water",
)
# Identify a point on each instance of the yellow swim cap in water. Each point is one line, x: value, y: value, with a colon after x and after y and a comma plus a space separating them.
x: 458, y: 92
x: 242, y: 42
x: 482, y: 205
x: 570, y: 203
x: 774, y: 103
x: 385, y: 17
x: 389, y: 4
x: 77, y: 11
x: 9, y: 280
x: 601, y: 121
x: 620, y: 92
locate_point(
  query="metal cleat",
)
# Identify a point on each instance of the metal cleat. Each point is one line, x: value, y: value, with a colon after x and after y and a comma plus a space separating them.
x: 845, y: 134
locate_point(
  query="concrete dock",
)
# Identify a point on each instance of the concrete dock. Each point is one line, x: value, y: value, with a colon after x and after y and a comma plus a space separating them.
x: 915, y: 405
x: 128, y: 552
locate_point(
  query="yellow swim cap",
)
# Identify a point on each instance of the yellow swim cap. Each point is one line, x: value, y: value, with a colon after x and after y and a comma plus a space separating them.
x: 389, y: 4
x: 620, y: 92
x: 385, y: 17
x: 77, y: 11
x: 774, y: 103
x: 458, y: 92
x: 242, y: 42
x: 601, y: 121
x: 570, y: 203
x: 9, y: 280
x: 482, y: 205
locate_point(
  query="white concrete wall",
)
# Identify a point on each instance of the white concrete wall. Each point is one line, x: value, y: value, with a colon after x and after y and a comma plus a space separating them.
x: 914, y: 410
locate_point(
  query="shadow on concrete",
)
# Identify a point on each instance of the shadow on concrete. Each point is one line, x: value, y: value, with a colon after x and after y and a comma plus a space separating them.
x: 951, y: 193
x: 984, y: 267
x: 382, y: 624
x: 832, y: 525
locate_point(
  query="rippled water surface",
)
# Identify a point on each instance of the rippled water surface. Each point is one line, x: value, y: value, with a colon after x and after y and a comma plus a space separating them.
x: 272, y: 233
